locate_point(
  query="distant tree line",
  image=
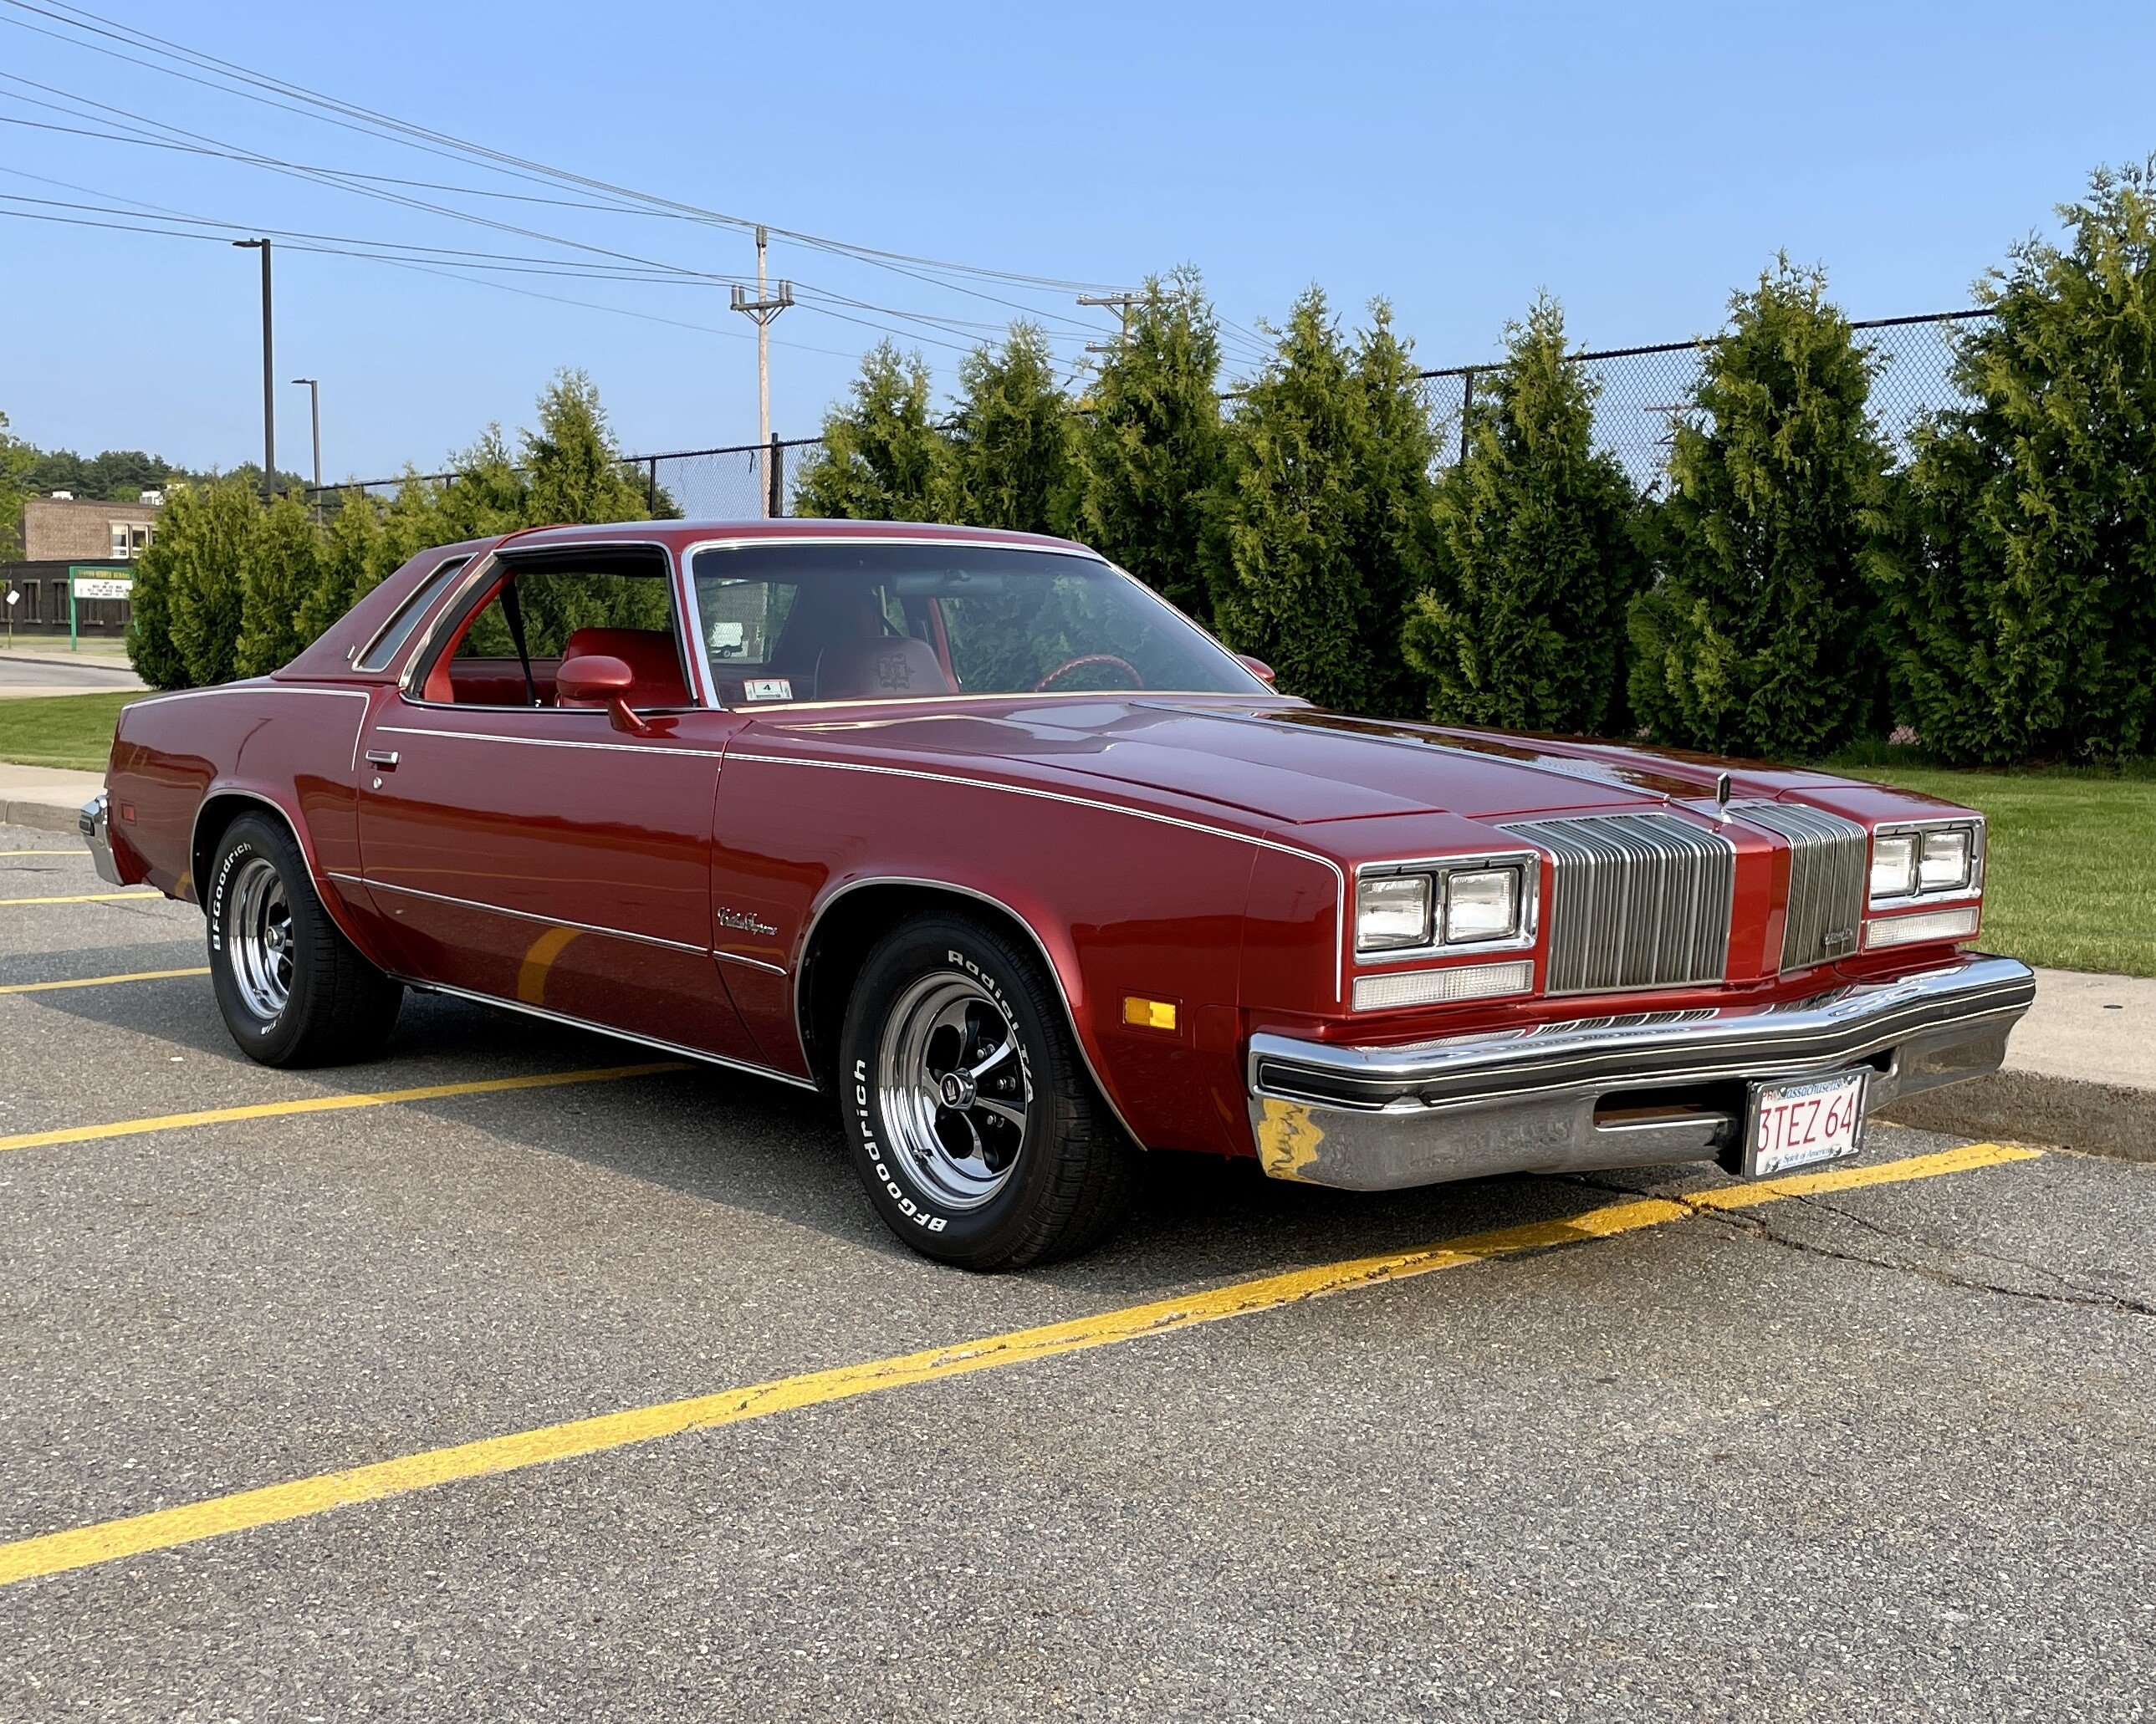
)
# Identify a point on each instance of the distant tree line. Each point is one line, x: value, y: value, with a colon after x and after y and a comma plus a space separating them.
x: 1788, y: 587
x: 232, y: 586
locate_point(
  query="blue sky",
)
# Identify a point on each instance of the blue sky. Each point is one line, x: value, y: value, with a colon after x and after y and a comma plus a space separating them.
x: 1639, y: 162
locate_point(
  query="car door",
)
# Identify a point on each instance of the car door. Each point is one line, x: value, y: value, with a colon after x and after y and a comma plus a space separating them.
x: 537, y: 853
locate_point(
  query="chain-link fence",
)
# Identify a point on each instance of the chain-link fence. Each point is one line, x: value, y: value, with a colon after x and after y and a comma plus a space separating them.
x: 1646, y: 390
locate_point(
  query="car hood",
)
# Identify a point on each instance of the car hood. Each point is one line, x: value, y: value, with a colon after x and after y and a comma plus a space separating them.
x: 1289, y: 764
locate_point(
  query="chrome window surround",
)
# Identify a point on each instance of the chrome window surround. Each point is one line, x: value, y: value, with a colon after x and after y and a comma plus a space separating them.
x: 421, y: 600
x: 481, y: 570
x: 1943, y: 895
x: 1638, y: 901
x: 1528, y: 862
x: 694, y: 618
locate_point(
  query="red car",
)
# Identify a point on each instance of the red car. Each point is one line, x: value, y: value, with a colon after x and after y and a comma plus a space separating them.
x: 975, y: 833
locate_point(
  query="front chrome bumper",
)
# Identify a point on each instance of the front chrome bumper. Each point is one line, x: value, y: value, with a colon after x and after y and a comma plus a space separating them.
x: 1636, y: 1091
x: 92, y: 823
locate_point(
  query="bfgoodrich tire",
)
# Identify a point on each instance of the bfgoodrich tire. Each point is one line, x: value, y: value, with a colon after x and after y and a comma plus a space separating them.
x: 971, y: 1120
x: 292, y: 990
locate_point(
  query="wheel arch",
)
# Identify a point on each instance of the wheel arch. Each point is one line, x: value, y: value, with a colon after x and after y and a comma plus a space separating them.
x: 850, y: 920
x: 214, y: 819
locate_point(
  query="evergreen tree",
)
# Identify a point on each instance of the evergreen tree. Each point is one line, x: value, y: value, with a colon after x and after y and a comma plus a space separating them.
x: 350, y: 561
x: 1759, y: 634
x: 573, y: 471
x: 1325, y: 513
x: 1011, y: 437
x: 150, y: 645
x: 1152, y: 447
x: 1527, y: 628
x: 201, y: 537
x: 882, y: 458
x: 2024, y: 600
x: 280, y: 565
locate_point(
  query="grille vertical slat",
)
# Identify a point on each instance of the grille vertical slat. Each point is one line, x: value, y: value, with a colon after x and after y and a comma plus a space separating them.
x: 1828, y: 867
x: 1640, y: 900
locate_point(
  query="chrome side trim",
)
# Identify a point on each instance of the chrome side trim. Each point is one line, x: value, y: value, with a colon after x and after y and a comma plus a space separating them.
x: 263, y: 685
x: 622, y: 1036
x: 646, y: 749
x: 527, y: 916
x: 1339, y: 874
x: 1055, y: 975
x: 752, y: 963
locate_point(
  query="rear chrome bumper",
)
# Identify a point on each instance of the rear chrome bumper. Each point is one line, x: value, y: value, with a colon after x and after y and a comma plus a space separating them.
x: 91, y: 821
x: 1636, y: 1091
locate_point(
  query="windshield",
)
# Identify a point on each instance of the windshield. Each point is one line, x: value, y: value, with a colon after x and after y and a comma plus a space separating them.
x: 895, y: 621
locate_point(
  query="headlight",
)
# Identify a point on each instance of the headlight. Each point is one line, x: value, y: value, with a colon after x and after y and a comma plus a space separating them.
x: 1944, y: 859
x: 1893, y: 864
x: 1392, y: 912
x: 1483, y: 904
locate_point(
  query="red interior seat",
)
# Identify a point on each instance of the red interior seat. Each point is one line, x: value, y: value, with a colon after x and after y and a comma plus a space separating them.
x: 650, y: 654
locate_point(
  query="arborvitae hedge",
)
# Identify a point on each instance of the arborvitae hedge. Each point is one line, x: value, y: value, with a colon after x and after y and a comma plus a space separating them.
x: 1525, y: 627
x: 1758, y: 636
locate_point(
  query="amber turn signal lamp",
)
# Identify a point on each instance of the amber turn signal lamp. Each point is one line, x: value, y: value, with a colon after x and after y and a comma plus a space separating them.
x: 1148, y: 1014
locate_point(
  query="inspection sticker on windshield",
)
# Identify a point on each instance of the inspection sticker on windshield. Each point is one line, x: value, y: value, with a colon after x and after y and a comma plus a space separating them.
x: 767, y: 688
x: 1795, y: 1125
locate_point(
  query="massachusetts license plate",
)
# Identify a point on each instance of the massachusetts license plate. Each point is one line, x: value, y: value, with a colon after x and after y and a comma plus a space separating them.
x: 1794, y: 1125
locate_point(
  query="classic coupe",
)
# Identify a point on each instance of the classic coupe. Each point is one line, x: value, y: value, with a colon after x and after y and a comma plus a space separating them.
x: 972, y: 833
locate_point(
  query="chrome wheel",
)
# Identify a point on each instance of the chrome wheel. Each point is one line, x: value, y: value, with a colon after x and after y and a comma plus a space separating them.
x: 259, y: 938
x: 951, y: 1077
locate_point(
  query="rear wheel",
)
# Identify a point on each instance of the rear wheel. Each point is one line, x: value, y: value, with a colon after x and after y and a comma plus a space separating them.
x: 292, y: 990
x: 972, y: 1118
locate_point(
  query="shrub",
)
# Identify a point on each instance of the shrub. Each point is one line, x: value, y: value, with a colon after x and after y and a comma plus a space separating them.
x: 573, y: 471
x: 882, y: 458
x: 1758, y: 634
x: 204, y: 531
x: 1527, y: 628
x: 2024, y: 601
x: 1010, y: 437
x: 1325, y: 511
x: 280, y: 565
x: 1151, y: 448
x: 353, y: 558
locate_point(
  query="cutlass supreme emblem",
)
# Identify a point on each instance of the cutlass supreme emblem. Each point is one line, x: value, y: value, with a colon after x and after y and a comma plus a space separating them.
x: 742, y: 922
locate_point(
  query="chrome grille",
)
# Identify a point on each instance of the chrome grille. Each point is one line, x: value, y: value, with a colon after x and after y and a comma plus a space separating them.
x: 1828, y: 863
x: 1641, y: 901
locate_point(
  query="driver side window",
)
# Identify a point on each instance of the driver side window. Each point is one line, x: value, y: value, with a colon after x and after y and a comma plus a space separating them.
x: 510, y: 651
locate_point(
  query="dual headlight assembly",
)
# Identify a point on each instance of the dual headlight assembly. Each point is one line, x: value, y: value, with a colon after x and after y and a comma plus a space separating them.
x: 1441, y: 907
x: 1910, y: 863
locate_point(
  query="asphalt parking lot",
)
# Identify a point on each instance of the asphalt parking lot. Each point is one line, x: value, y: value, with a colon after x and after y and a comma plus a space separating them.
x: 1877, y: 1446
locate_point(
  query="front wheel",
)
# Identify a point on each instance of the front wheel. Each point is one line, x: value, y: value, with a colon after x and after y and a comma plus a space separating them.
x: 292, y: 990
x: 972, y: 1118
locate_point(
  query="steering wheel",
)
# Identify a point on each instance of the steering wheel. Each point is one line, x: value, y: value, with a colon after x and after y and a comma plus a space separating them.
x: 1124, y: 665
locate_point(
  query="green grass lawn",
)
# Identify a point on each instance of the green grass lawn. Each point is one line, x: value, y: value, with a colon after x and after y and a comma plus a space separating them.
x: 70, y: 731
x: 2070, y: 881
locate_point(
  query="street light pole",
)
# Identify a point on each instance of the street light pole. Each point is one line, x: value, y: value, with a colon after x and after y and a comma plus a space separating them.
x: 269, y: 376
x: 314, y: 412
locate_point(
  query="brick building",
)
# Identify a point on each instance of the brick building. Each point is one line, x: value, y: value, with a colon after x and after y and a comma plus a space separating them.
x: 65, y: 539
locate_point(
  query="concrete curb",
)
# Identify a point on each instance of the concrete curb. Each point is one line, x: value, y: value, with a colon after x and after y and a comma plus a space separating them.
x: 42, y: 816
x: 2032, y: 1107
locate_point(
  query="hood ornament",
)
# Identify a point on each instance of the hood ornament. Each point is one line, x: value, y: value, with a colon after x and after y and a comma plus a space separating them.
x: 1721, y: 795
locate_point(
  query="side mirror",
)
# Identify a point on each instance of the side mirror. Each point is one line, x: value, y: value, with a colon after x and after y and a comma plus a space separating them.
x: 1257, y: 668
x: 597, y: 681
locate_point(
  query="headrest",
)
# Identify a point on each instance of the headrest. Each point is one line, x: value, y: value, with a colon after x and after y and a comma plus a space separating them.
x: 888, y: 669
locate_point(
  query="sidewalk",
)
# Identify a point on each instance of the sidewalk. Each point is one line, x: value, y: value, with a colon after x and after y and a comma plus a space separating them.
x: 44, y: 798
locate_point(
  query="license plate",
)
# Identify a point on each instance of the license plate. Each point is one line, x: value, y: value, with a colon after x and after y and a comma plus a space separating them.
x: 1797, y: 1124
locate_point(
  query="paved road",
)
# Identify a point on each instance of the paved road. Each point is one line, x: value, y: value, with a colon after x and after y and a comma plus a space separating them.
x: 1883, y: 1452
x: 52, y: 671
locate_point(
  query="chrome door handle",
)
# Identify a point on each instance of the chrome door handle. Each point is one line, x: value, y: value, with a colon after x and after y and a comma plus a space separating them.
x: 385, y: 758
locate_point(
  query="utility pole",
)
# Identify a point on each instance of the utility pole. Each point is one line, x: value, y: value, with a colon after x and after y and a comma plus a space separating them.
x: 314, y: 412
x: 269, y: 376
x: 763, y: 308
x: 1123, y: 303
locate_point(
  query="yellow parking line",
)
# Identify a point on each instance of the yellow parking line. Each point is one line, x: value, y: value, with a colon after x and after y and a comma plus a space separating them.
x: 84, y: 898
x: 100, y: 980
x: 331, y: 1104
x: 107, y: 1541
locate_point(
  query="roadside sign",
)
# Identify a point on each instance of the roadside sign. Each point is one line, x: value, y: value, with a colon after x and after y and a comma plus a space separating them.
x: 92, y: 581
x: 103, y: 587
